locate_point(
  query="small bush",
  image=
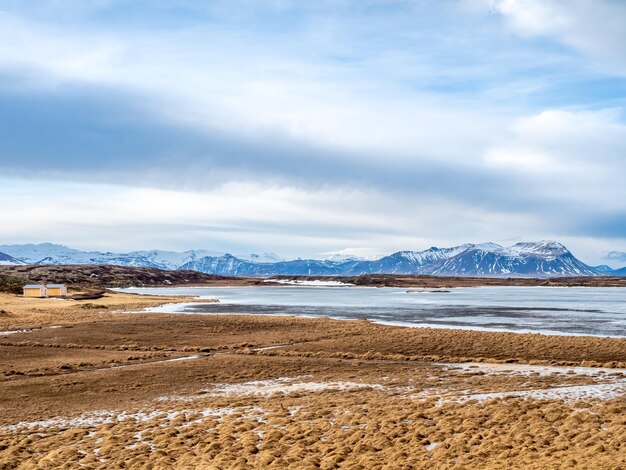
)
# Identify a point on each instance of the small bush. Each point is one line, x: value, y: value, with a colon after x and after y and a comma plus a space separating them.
x: 11, y: 284
x: 90, y: 306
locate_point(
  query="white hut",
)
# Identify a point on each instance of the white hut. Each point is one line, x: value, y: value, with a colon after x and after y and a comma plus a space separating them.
x: 35, y: 290
x: 56, y: 290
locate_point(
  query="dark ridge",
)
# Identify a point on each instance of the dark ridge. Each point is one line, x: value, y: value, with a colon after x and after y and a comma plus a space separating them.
x: 85, y: 276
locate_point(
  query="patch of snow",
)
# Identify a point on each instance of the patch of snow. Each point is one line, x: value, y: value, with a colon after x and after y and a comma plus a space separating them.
x: 285, y: 386
x: 267, y: 348
x: 293, y: 410
x: 98, y: 418
x: 260, y: 258
x: 312, y: 283
x: 12, y: 332
x: 162, y: 361
x: 568, y: 393
x: 528, y: 369
x: 490, y: 247
x: 184, y: 358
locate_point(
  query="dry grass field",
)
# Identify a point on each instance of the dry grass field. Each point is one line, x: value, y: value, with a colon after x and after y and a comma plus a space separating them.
x: 95, y: 384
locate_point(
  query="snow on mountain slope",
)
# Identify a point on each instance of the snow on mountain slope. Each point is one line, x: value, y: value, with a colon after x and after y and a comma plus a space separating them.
x: 164, y: 259
x: 547, y: 248
x: 233, y: 266
x: 487, y: 247
x: 261, y: 258
x: 32, y: 253
x: 540, y: 259
x: 50, y: 253
x: 340, y: 258
x: 402, y: 262
x: 7, y: 260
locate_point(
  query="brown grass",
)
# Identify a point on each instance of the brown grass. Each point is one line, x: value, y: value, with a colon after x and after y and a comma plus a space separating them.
x: 401, y: 413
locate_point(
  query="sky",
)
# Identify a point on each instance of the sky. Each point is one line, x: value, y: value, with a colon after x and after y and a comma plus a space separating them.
x: 310, y: 129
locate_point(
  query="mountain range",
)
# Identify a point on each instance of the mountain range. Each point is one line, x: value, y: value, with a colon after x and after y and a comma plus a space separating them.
x: 526, y: 259
x: 50, y: 253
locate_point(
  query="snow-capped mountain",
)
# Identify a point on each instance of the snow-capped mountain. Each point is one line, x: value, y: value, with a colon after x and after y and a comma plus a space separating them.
x: 7, y: 260
x: 261, y: 258
x: 530, y: 259
x: 401, y: 262
x: 232, y: 266
x: 219, y: 264
x: 50, y: 253
x: 546, y: 258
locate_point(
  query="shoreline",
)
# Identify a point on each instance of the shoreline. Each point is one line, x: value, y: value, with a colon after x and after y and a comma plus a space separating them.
x: 390, y: 323
x: 407, y: 342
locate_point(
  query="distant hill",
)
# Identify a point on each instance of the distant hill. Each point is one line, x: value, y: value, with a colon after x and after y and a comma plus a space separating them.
x: 101, y: 276
x: 604, y: 269
x: 7, y: 260
x: 619, y: 272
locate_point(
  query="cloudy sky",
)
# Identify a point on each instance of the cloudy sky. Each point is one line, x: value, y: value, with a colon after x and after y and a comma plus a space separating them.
x: 312, y: 128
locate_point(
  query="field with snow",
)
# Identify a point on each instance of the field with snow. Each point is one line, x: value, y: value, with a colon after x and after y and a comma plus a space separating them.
x: 119, y: 386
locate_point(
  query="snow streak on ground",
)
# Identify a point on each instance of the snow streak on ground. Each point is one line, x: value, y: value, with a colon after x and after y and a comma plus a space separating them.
x: 611, y: 384
x: 285, y: 385
x: 531, y: 369
x: 98, y: 418
x: 313, y: 283
x: 572, y: 393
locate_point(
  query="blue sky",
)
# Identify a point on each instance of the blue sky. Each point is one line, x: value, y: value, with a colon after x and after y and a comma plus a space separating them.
x: 311, y: 128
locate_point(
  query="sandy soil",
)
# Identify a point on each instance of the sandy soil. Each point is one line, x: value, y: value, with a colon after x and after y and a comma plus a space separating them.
x: 95, y: 388
x: 19, y: 312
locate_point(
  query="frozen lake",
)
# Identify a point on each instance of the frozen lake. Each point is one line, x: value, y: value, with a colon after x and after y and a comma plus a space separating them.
x: 548, y: 310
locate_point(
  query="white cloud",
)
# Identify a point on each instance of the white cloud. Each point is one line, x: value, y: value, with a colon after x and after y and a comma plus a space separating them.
x: 241, y: 218
x: 257, y: 218
x: 616, y: 257
x: 522, y: 159
x: 429, y: 156
x: 593, y: 27
x: 223, y: 81
x: 567, y: 156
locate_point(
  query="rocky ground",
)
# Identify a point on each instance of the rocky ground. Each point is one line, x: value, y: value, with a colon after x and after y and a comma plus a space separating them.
x: 413, y: 280
x: 83, y: 385
x: 84, y: 276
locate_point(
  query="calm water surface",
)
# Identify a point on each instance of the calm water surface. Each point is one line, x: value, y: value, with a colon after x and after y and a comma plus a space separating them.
x: 571, y: 311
